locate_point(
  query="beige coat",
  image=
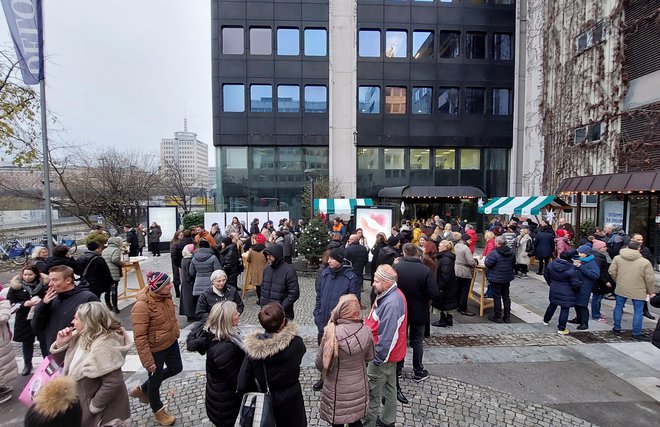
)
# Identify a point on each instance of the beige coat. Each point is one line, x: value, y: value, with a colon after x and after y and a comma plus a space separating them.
x: 8, y: 366
x: 633, y: 275
x: 258, y: 263
x: 465, y: 262
x: 345, y: 394
x: 521, y: 249
x: 99, y: 379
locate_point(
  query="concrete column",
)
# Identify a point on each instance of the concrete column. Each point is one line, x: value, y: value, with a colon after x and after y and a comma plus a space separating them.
x: 342, y: 94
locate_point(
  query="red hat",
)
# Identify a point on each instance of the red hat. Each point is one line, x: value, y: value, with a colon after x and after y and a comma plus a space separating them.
x: 260, y: 239
x: 561, y: 232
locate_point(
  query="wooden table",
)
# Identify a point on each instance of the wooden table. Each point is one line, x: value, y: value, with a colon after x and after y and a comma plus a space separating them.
x: 483, y: 302
x: 247, y: 283
x: 133, y: 265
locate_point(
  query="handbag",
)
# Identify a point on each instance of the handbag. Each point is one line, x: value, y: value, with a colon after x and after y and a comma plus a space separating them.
x: 47, y: 371
x: 257, y: 408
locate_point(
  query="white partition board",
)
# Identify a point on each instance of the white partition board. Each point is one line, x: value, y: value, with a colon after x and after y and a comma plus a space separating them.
x: 165, y: 217
x: 211, y: 217
x: 263, y: 217
x: 277, y: 216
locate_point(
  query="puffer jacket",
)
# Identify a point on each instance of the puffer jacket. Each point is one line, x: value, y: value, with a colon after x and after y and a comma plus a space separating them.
x: 465, y: 262
x: 257, y: 261
x: 388, y: 321
x: 154, y: 234
x: 345, y: 394
x: 450, y: 291
x: 473, y: 238
x: 8, y: 365
x: 223, y: 363
x: 203, y: 263
x: 544, y: 244
x: 500, y: 264
x: 17, y: 294
x: 112, y: 257
x: 562, y: 277
x: 633, y: 274
x: 209, y: 298
x: 155, y: 327
x: 600, y: 285
x: 588, y: 273
x: 280, y: 282
x: 332, y: 284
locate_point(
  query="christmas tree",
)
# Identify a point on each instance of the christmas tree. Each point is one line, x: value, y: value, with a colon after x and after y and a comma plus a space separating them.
x: 313, y: 241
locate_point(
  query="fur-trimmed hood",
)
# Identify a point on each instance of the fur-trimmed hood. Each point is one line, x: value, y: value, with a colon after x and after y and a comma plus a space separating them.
x: 262, y: 345
x: 17, y: 284
x: 106, y: 354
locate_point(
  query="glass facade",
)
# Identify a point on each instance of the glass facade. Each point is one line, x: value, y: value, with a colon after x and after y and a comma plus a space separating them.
x: 396, y: 44
x: 369, y: 99
x: 261, y: 41
x: 369, y: 43
x: 316, y: 42
x: 288, y: 41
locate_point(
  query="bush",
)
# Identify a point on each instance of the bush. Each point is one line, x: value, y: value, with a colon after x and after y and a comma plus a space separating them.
x: 192, y: 219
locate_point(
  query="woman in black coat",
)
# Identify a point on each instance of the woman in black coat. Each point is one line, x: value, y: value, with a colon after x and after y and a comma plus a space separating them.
x: 381, y: 242
x: 229, y: 261
x: 218, y: 291
x: 544, y: 246
x: 223, y: 345
x: 450, y: 290
x: 277, y: 353
x: 27, y: 289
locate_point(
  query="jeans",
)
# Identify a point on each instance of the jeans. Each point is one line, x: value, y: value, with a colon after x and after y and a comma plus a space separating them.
x: 542, y: 261
x: 582, y: 315
x: 563, y: 315
x: 595, y: 306
x: 171, y: 357
x: 416, y: 339
x: 382, y: 384
x: 465, y: 290
x: 501, y: 296
x: 638, y: 314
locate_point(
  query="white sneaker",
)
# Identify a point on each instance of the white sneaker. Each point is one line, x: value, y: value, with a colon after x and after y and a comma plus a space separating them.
x: 546, y: 323
x: 564, y: 332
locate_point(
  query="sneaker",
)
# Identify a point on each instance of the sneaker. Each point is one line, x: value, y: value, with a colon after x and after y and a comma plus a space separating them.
x: 523, y: 276
x: 546, y: 323
x: 418, y: 378
x: 564, y: 332
x: 139, y: 395
x: 616, y: 331
x: 641, y: 338
x: 5, y: 397
x: 602, y: 320
x: 582, y: 328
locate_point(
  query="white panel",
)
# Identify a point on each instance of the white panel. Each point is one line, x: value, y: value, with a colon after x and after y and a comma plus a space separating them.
x: 242, y: 217
x: 211, y: 217
x: 165, y: 217
x: 277, y: 216
x: 263, y: 217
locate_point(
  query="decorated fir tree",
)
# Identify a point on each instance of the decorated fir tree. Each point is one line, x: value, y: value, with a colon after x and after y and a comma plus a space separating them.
x: 313, y: 241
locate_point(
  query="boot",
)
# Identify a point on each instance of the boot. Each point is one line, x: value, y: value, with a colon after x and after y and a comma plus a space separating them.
x: 647, y: 313
x: 106, y: 297
x: 163, y: 418
x: 139, y: 394
x: 27, y: 370
x: 401, y: 397
x: 177, y: 290
x: 113, y: 297
x: 442, y: 322
x: 449, y: 320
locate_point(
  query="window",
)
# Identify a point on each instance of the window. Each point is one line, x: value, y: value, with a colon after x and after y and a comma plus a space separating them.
x: 501, y: 100
x: 396, y: 44
x: 395, y: 100
x: 591, y: 37
x: 502, y: 47
x: 596, y: 131
x: 367, y: 158
x: 369, y: 41
x: 233, y: 98
x: 599, y: 32
x: 420, y: 159
x: 475, y: 45
x: 235, y: 158
x: 261, y: 98
x: 316, y: 99
x: 422, y: 100
x: 263, y: 158
x: 369, y: 99
x: 288, y: 41
x: 232, y: 40
x: 470, y: 159
x: 588, y: 200
x: 261, y: 41
x: 422, y: 44
x: 450, y: 44
x: 288, y: 98
x: 448, y: 100
x: 475, y: 100
x: 581, y: 43
x: 445, y: 159
x: 316, y: 42
x: 394, y: 158
x: 581, y: 134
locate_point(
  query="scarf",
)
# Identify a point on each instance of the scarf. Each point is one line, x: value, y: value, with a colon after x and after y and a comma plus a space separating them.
x: 348, y: 308
x: 32, y: 288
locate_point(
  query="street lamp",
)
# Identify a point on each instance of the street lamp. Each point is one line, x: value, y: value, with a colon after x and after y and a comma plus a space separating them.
x: 312, y: 174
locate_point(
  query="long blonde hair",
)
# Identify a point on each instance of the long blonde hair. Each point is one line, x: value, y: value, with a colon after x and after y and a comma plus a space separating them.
x: 98, y: 320
x: 219, y: 322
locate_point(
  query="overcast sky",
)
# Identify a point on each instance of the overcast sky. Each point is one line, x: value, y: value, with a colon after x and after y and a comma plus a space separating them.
x: 125, y: 72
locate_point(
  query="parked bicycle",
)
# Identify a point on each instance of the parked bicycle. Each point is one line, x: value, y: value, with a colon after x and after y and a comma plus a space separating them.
x: 66, y: 241
x: 14, y: 252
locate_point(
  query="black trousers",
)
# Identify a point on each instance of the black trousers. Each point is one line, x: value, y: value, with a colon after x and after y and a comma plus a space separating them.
x: 465, y: 290
x: 501, y: 296
x: 155, y: 248
x: 542, y: 261
x: 168, y: 363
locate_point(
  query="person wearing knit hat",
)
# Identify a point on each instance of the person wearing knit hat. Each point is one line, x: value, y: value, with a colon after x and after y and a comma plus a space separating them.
x: 156, y: 334
x: 337, y: 254
x: 588, y: 273
x: 561, y: 242
x: 260, y: 239
x: 55, y: 405
x: 585, y: 249
x: 388, y: 321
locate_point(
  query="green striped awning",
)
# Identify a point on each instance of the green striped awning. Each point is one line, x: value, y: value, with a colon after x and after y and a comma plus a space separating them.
x: 340, y: 206
x: 526, y: 205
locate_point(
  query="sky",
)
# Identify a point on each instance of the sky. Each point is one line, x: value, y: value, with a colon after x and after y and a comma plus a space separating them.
x: 124, y: 73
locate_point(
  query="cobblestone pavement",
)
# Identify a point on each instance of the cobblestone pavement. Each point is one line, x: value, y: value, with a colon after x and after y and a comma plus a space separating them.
x: 435, y: 402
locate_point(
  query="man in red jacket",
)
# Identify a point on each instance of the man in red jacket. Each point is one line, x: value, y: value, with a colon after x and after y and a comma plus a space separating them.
x: 388, y: 320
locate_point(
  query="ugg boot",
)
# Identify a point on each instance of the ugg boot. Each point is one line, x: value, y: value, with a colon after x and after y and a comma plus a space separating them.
x: 163, y: 418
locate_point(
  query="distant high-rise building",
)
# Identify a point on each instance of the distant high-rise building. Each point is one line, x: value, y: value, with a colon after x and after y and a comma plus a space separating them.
x: 188, y: 154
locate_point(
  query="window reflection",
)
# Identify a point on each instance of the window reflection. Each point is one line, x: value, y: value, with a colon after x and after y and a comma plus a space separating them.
x: 261, y: 98
x: 235, y: 157
x: 316, y: 42
x: 502, y: 47
x: 450, y: 44
x: 475, y: 45
x: 263, y: 157
x: 423, y: 44
x: 232, y: 40
x: 448, y: 100
x: 501, y: 102
x: 288, y: 41
x: 261, y: 42
x: 470, y: 158
x: 288, y: 98
x: 396, y: 44
x: 367, y: 158
x: 445, y: 159
x: 394, y: 158
x: 369, y: 43
x: 422, y: 99
x: 233, y: 98
x: 395, y: 100
x: 475, y: 100
x: 316, y: 99
x: 369, y: 99
x: 420, y: 158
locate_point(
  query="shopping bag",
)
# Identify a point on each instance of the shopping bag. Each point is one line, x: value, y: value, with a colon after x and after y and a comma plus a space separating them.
x: 47, y: 370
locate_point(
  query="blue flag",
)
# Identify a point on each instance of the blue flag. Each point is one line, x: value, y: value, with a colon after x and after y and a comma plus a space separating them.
x: 24, y: 20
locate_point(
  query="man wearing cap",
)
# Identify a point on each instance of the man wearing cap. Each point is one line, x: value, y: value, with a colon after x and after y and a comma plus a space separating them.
x: 388, y: 322
x: 156, y: 333
x: 588, y: 273
x: 280, y: 280
x: 336, y: 279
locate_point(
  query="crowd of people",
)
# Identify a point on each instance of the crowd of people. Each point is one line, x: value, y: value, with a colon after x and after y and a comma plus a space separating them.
x: 419, y: 266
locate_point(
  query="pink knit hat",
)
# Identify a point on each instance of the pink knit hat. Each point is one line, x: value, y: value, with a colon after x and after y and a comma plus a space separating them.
x: 598, y: 244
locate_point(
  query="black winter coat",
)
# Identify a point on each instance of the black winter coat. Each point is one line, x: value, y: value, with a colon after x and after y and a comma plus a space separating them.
x: 208, y: 299
x: 52, y: 318
x: 418, y: 285
x: 62, y: 260
x: 655, y: 302
x: 375, y: 251
x: 179, y: 247
x: 229, y: 261
x: 500, y: 263
x: 544, y: 244
x: 358, y: 255
x: 387, y: 255
x: 330, y: 286
x: 133, y: 242
x: 448, y: 287
x: 18, y: 295
x: 223, y: 363
x: 562, y: 277
x: 600, y: 287
x: 280, y: 282
x: 98, y: 276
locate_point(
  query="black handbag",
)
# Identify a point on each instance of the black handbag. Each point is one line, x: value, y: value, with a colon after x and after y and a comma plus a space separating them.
x: 257, y: 407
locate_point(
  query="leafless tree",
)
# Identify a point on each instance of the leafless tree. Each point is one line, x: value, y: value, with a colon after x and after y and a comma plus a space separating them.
x: 180, y: 186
